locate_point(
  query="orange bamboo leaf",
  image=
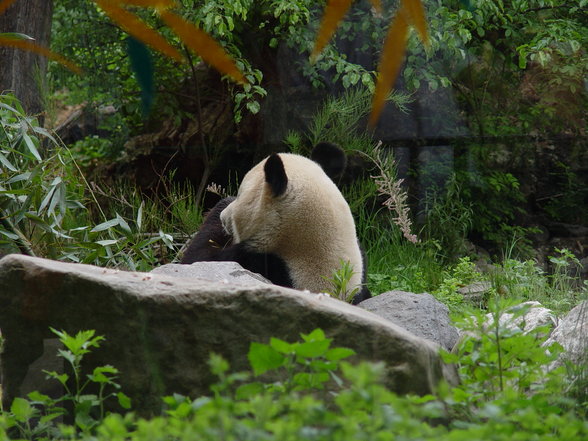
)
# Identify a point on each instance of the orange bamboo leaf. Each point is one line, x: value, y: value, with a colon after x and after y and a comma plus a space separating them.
x: 390, y: 62
x: 334, y: 13
x: 416, y: 16
x: 204, y: 45
x: 5, y: 4
x: 28, y: 45
x: 157, y: 4
x: 377, y: 4
x: 135, y: 27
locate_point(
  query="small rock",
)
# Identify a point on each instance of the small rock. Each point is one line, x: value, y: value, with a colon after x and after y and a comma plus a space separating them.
x: 475, y: 293
x: 534, y: 318
x: 421, y: 314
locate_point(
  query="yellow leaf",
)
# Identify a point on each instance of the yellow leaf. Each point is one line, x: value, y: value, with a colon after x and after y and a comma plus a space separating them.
x: 416, y: 16
x: 204, y: 45
x: 5, y: 4
x: 334, y: 13
x: 134, y: 26
x: 157, y: 4
x: 377, y: 4
x: 28, y: 45
x: 390, y: 62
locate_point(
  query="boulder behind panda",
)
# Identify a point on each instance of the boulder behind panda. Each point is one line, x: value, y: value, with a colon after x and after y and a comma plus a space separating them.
x: 289, y: 223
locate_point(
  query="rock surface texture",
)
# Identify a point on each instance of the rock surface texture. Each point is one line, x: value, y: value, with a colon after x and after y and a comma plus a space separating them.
x: 572, y: 334
x: 160, y: 330
x: 420, y: 314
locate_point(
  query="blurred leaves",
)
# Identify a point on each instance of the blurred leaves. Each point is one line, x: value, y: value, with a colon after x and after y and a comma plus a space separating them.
x: 411, y: 12
x: 24, y: 42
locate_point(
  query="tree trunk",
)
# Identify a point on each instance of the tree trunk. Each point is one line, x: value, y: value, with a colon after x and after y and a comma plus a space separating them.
x: 23, y: 72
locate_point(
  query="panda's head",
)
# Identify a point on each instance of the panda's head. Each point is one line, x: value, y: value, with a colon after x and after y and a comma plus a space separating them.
x: 288, y: 199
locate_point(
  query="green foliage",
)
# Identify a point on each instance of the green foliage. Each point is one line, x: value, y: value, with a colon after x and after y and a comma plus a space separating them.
x: 44, y: 203
x: 460, y: 275
x: 85, y: 35
x: 340, y: 281
x: 448, y: 220
x: 37, y: 417
x: 568, y: 194
x: 559, y: 290
x: 510, y: 63
x: 339, y: 119
x: 497, y: 359
x: 306, y: 391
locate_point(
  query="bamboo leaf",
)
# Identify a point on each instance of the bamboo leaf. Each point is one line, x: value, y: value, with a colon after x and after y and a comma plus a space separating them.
x: 390, y: 62
x: 140, y: 216
x: 16, y: 36
x: 31, y: 146
x: 46, y: 199
x: 416, y: 16
x: 4, y: 160
x: 30, y: 46
x: 334, y: 13
x: 105, y: 225
x: 204, y: 45
x: 131, y: 24
x: 4, y: 5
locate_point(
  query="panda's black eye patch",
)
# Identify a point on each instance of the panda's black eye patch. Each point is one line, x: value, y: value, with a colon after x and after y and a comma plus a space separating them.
x: 275, y: 174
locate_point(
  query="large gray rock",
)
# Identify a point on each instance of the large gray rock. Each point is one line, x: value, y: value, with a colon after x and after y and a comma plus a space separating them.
x: 572, y: 334
x: 160, y: 330
x: 420, y: 314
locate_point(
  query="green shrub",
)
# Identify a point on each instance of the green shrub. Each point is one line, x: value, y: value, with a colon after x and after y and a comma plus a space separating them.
x: 46, y: 204
x: 454, y: 278
x: 35, y: 418
x: 306, y: 391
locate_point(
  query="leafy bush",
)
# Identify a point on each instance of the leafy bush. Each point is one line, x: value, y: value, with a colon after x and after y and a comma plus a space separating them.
x: 306, y: 391
x: 35, y: 417
x: 45, y: 202
x: 461, y: 274
x: 558, y: 290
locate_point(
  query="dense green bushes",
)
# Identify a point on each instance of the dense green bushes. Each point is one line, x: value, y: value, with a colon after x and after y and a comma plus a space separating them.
x: 314, y: 394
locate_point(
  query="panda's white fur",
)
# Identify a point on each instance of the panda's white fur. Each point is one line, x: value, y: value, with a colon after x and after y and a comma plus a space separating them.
x: 309, y: 225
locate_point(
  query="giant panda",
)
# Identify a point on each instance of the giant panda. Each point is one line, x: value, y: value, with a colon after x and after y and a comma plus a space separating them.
x: 289, y: 223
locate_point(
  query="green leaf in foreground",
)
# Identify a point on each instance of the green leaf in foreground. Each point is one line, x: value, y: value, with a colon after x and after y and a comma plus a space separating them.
x: 264, y: 358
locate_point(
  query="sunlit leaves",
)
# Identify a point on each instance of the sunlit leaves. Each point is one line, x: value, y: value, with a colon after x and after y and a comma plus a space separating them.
x: 411, y: 12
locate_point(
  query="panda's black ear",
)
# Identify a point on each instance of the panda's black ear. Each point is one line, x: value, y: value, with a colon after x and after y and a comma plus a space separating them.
x: 331, y: 158
x: 275, y: 174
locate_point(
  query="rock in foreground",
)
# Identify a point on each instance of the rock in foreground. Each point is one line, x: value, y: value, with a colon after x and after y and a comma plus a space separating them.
x: 160, y: 330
